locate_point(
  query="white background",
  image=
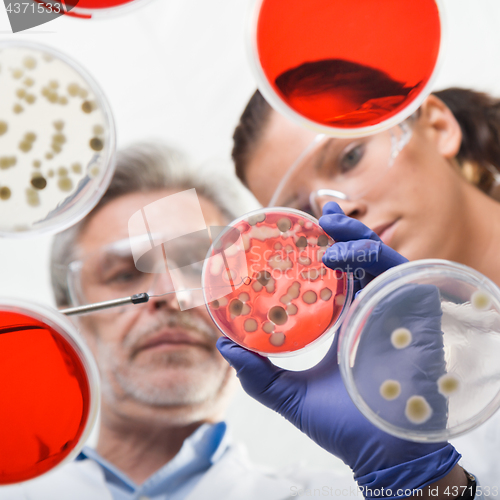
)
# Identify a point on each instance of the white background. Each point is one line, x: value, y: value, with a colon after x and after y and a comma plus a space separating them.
x: 177, y: 70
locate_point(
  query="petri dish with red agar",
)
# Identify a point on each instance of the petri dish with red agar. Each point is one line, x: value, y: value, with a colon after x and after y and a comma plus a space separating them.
x: 265, y: 285
x: 346, y: 68
x: 49, y: 393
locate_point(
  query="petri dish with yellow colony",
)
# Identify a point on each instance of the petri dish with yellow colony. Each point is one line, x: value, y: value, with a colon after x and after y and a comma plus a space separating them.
x: 57, y: 140
x: 419, y: 350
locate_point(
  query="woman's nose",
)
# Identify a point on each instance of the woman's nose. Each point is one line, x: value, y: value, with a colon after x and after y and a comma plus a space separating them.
x: 352, y: 208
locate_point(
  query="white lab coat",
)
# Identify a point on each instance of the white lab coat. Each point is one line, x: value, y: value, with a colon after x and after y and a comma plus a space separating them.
x: 480, y: 451
x: 480, y: 448
x: 232, y: 477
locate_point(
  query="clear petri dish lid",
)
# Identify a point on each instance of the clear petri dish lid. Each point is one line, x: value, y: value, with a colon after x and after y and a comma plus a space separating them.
x: 96, y: 9
x: 50, y: 391
x: 265, y: 285
x: 57, y: 140
x: 419, y: 350
x: 346, y: 69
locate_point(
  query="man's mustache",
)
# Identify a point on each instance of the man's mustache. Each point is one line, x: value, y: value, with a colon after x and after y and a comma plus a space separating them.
x: 197, y: 330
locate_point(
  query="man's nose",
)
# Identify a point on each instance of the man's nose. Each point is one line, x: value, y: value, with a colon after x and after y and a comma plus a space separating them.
x: 162, y: 292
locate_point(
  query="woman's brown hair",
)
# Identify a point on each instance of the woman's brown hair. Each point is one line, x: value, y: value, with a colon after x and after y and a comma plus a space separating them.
x: 477, y: 113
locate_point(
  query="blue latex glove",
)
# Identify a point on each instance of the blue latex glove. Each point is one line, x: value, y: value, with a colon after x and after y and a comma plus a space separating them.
x: 417, y: 367
x: 317, y: 403
x: 357, y: 248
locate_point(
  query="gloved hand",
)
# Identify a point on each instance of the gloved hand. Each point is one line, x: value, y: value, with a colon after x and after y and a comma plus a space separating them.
x: 416, y: 367
x: 317, y: 403
x: 357, y: 248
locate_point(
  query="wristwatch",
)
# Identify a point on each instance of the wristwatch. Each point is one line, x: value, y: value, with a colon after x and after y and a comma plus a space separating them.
x: 469, y: 492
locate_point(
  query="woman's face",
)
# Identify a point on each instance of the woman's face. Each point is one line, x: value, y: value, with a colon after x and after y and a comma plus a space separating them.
x: 417, y: 206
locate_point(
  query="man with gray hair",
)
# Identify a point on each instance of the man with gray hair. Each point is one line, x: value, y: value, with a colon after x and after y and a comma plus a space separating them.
x: 165, y: 386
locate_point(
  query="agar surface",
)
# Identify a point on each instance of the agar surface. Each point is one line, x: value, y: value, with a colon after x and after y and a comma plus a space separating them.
x: 418, y: 410
x: 287, y: 298
x: 46, y: 406
x: 324, y: 77
x: 401, y: 338
x: 50, y: 120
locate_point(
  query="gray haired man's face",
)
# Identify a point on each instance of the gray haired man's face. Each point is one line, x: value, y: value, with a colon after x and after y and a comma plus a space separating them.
x: 154, y: 359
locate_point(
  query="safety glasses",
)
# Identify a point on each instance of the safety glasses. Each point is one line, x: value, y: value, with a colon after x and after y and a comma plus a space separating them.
x: 348, y: 168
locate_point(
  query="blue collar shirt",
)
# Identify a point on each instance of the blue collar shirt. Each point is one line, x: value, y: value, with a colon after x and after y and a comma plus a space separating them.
x: 176, y: 479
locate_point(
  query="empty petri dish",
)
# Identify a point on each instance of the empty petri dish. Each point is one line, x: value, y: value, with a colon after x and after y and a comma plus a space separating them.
x: 419, y: 350
x: 265, y: 285
x: 57, y: 141
x: 49, y: 393
x: 346, y: 68
x: 91, y: 9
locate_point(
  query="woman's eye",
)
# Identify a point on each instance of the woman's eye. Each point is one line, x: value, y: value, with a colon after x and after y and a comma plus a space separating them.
x: 351, y: 158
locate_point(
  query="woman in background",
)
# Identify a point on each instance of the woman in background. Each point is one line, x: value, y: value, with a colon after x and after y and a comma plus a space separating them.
x: 435, y: 196
x: 437, y: 200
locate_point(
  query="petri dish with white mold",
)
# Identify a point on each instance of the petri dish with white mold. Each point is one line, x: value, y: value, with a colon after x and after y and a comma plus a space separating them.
x: 57, y: 140
x: 266, y: 287
x: 419, y: 350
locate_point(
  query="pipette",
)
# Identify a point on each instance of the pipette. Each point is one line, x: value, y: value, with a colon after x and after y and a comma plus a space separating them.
x: 138, y: 298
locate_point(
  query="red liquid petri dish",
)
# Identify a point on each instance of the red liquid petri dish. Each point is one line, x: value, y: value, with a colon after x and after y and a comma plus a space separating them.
x: 346, y: 68
x: 49, y: 391
x: 89, y: 9
x: 266, y: 287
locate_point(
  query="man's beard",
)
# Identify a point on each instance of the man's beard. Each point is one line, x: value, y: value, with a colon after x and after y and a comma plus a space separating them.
x: 199, y: 372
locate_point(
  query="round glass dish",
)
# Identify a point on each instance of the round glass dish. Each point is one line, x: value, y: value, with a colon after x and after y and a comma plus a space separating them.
x: 419, y: 350
x: 265, y: 285
x: 57, y: 141
x: 346, y: 69
x: 50, y: 391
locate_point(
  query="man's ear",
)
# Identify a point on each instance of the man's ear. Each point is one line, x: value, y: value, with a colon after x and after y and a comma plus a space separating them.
x: 442, y: 126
